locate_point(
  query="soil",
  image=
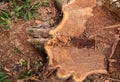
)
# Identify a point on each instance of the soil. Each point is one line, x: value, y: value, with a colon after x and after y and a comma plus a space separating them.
x: 15, y: 48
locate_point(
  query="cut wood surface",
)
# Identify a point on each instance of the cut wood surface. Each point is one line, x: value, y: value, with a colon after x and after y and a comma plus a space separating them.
x: 85, y: 44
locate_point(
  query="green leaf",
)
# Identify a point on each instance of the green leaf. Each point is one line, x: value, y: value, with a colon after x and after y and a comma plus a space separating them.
x: 7, y: 20
x: 36, y: 5
x: 27, y: 0
x: 29, y: 15
x: 6, y: 27
x: 3, y: 77
x: 18, y: 8
x: 5, y: 14
x: 25, y: 74
x: 17, y: 14
x: 24, y: 63
x: 2, y: 23
x: 26, y: 10
x: 36, y: 16
x: 45, y: 3
x: 18, y: 50
x: 3, y: 18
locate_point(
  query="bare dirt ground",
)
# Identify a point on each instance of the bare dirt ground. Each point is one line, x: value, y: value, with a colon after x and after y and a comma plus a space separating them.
x: 15, y: 49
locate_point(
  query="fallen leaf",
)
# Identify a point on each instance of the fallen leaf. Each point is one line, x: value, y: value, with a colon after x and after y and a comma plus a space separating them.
x: 37, y: 21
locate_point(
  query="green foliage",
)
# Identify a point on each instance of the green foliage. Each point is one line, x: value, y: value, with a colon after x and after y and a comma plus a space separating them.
x: 6, y: 27
x: 20, y: 9
x: 24, y: 63
x: 26, y: 9
x: 25, y: 74
x: 45, y: 2
x: 18, y: 50
x: 5, y: 19
x: 3, y: 77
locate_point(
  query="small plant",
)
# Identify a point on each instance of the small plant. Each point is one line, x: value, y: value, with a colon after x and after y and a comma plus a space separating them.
x: 25, y: 75
x: 25, y: 9
x: 5, y: 19
x: 3, y: 77
x: 20, y: 9
x: 23, y: 62
x: 17, y: 50
x: 45, y: 2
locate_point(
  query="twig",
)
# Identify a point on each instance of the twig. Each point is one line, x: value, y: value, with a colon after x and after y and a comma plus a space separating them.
x: 116, y: 80
x: 113, y: 48
x: 113, y: 26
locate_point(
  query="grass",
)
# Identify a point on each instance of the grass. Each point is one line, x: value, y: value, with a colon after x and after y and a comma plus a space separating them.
x: 5, y: 20
x: 20, y: 9
x: 4, y: 77
x: 45, y: 2
x: 26, y: 9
